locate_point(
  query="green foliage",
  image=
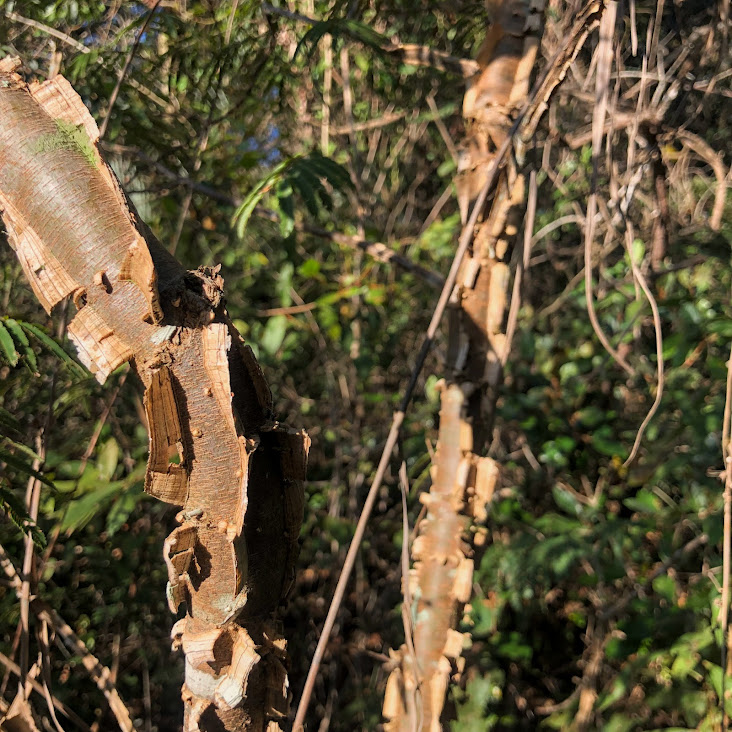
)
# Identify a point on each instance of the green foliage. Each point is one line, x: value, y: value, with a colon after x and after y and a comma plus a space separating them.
x: 341, y: 28
x: 572, y: 534
x: 301, y: 174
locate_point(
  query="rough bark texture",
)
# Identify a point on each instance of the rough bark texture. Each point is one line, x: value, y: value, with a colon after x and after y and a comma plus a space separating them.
x: 463, y: 481
x: 215, y: 447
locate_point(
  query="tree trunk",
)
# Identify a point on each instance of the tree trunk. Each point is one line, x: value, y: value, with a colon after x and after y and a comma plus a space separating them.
x: 215, y: 447
x: 464, y: 480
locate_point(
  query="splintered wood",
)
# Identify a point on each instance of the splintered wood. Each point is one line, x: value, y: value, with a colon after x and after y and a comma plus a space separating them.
x: 464, y: 481
x: 215, y: 448
x: 164, y: 480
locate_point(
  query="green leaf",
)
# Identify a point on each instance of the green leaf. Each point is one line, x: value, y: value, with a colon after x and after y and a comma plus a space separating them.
x: 108, y: 459
x: 18, y: 515
x: 22, y: 339
x: 603, y: 440
x: 32, y: 454
x: 123, y: 507
x: 8, y: 423
x: 82, y: 510
x: 309, y: 268
x: 246, y: 208
x: 7, y: 346
x: 337, y: 27
x: 23, y: 466
x: 273, y: 334
x: 308, y: 185
x: 328, y: 169
x: 54, y: 348
x: 333, y: 297
x: 287, y: 209
x: 665, y: 586
x: 643, y: 502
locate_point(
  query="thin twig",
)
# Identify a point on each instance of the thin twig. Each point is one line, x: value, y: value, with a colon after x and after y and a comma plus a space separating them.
x: 623, y: 602
x: 410, y: 53
x: 69, y: 713
x: 604, y: 53
x: 465, y: 239
x: 659, y: 347
x: 99, y: 673
x: 414, y: 709
x: 125, y: 69
x: 445, y: 134
x: 291, y: 310
x: 48, y: 30
x: 377, y: 250
x: 46, y: 673
x: 706, y: 153
x: 727, y: 533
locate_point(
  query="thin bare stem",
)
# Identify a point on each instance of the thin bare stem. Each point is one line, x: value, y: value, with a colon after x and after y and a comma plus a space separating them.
x: 659, y: 348
x: 465, y: 239
x: 48, y: 30
x: 414, y: 708
x: 125, y: 69
x: 59, y: 705
x: 727, y: 533
x: 99, y: 673
x: 604, y: 55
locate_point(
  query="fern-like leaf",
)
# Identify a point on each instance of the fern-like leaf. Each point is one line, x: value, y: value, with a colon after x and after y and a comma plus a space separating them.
x: 340, y: 27
x: 7, y: 346
x: 49, y: 343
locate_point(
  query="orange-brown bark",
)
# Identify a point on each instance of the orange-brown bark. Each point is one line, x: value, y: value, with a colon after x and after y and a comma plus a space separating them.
x: 463, y: 481
x: 215, y: 448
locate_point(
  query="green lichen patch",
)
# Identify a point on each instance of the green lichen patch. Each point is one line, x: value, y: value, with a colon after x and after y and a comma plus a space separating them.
x: 67, y: 137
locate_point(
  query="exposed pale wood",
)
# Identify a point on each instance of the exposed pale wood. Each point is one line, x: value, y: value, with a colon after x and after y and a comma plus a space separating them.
x: 215, y: 448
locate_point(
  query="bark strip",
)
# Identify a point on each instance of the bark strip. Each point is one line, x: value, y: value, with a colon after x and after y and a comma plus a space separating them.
x: 216, y: 449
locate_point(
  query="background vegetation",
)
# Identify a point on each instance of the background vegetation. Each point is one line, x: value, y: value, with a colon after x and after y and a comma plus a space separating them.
x: 254, y: 137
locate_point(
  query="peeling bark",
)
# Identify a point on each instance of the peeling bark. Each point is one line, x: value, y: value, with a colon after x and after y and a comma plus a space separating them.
x: 464, y: 482
x: 215, y: 448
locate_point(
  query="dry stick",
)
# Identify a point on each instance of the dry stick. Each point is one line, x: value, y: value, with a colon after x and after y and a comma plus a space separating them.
x: 147, y: 702
x: 445, y: 134
x: 46, y: 673
x: 604, y: 54
x: 633, y: 30
x: 48, y: 30
x: 439, y: 205
x: 70, y: 714
x: 659, y: 346
x: 125, y: 69
x: 327, y: 86
x: 377, y: 250
x: 727, y: 532
x: 306, y: 307
x: 32, y: 500
x: 99, y: 673
x: 465, y: 239
x: 705, y: 151
x: 81, y: 48
x: 414, y: 709
x: 556, y: 224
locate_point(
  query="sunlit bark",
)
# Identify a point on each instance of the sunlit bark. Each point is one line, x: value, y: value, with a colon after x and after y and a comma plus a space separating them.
x: 215, y: 447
